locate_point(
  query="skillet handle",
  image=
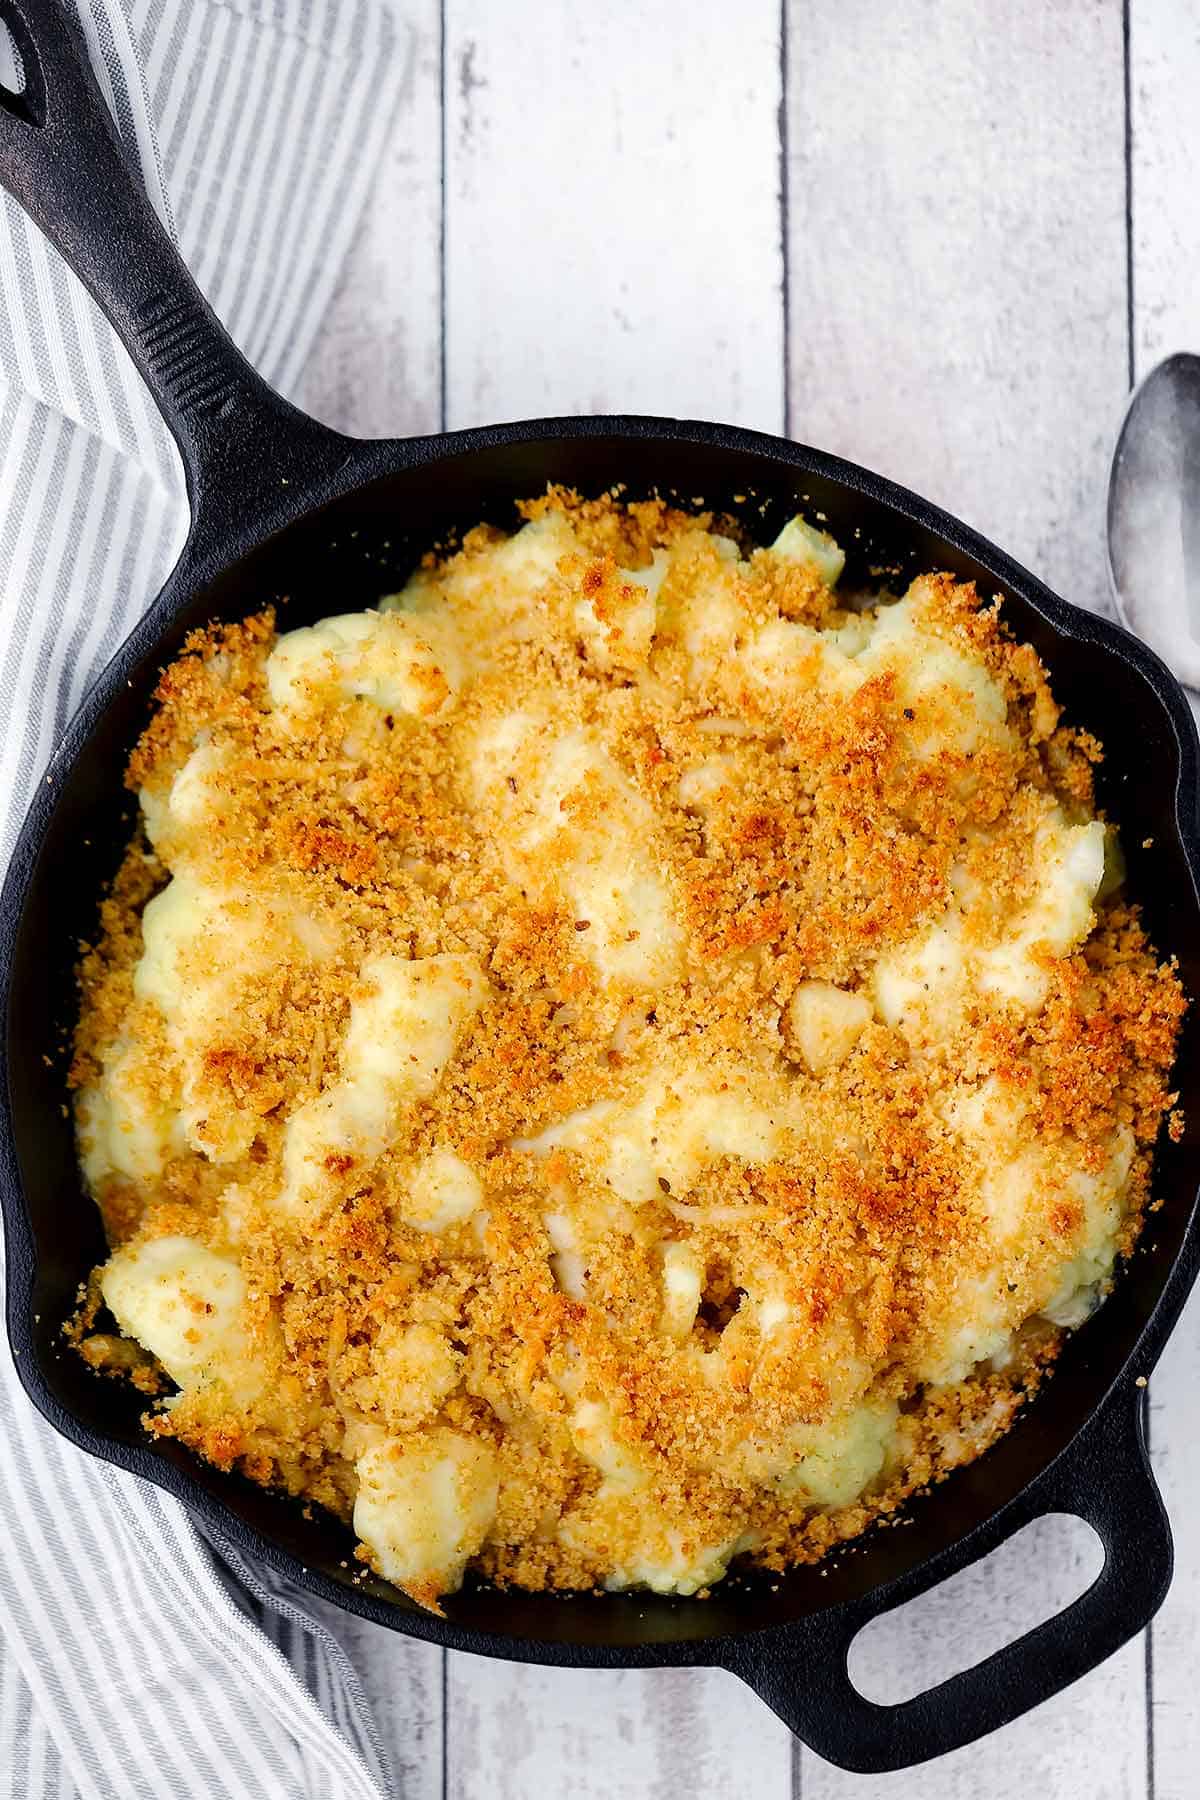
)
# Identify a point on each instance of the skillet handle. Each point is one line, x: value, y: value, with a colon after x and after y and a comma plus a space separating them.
x: 1105, y: 1478
x: 62, y: 159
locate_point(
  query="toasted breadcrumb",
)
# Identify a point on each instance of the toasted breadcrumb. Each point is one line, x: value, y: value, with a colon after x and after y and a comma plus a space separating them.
x: 665, y: 1374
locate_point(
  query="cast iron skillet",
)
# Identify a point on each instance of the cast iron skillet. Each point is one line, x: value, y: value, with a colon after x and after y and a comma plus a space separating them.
x: 283, y: 507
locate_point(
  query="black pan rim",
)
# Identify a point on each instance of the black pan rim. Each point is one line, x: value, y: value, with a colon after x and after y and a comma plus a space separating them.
x: 356, y: 466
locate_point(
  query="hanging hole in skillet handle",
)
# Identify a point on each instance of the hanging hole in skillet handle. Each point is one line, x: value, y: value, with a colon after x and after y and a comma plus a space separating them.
x: 22, y: 95
x: 1039, y: 1571
x: 802, y: 1671
x: 62, y: 158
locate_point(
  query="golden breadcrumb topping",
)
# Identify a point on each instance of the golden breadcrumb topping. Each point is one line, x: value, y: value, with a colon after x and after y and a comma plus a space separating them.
x: 624, y: 1057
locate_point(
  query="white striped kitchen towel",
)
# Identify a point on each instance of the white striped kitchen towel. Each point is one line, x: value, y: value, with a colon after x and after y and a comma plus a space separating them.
x: 134, y: 1663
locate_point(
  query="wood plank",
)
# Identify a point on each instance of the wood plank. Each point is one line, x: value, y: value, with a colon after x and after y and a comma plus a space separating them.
x: 1063, y: 1751
x: 958, y: 320
x: 1164, y: 80
x: 520, y: 1733
x: 957, y: 259
x: 959, y: 1622
x: 1051, y: 1751
x: 376, y: 369
x: 1164, y: 48
x: 612, y: 243
x: 1175, y: 1633
x: 612, y: 232
x: 403, y: 1684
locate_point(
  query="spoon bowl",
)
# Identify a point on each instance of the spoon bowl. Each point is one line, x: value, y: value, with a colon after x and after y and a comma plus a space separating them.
x: 1154, y: 515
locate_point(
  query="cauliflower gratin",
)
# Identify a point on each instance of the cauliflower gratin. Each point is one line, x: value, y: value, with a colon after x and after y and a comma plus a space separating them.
x: 620, y: 1059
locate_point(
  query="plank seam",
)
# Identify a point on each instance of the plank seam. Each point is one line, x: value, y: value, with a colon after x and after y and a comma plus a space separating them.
x: 785, y: 272
x: 1131, y: 374
x: 443, y: 411
x: 444, y: 387
x: 1150, y: 1777
x: 445, y: 1725
x: 797, y: 1769
x: 1129, y: 257
x: 1148, y: 1662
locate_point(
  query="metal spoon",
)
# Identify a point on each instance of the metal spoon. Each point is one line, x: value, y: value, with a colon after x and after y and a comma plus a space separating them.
x: 1154, y: 515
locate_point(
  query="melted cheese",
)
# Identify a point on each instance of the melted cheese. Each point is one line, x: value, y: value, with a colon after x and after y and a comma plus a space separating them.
x: 927, y: 986
x: 400, y: 663
x: 683, y: 1279
x: 186, y: 1305
x: 201, y: 947
x: 672, y: 1558
x: 674, y: 1562
x: 669, y: 1132
x: 702, y: 787
x: 126, y: 1128
x: 619, y: 634
x: 805, y: 543
x: 1048, y: 1234
x: 425, y: 1505
x: 830, y: 1465
x: 576, y: 816
x: 402, y: 1033
x: 825, y: 1022
x: 442, y: 1191
x: 957, y: 704
x: 1070, y: 860
x: 499, y: 594
x: 191, y: 804
x: 414, y: 1370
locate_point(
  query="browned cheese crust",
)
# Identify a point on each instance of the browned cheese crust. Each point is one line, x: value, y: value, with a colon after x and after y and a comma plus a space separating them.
x: 741, y: 1272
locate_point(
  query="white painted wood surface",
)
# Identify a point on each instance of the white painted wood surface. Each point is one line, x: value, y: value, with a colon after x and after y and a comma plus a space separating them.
x: 1164, y: 91
x: 957, y: 269
x: 590, y: 209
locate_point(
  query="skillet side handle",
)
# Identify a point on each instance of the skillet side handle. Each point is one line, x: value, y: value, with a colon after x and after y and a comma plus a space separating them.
x: 62, y: 159
x: 802, y: 1672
